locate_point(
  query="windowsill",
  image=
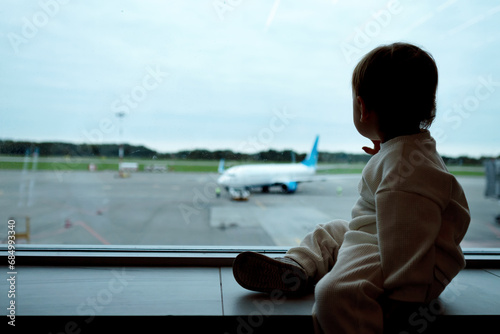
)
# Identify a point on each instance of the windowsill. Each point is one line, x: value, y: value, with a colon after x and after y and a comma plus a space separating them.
x: 194, y: 287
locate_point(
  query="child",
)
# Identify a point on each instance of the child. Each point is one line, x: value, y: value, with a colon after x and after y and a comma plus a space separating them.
x: 402, y: 242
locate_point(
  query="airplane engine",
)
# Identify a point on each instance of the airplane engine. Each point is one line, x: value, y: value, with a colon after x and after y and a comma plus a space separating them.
x: 289, y: 187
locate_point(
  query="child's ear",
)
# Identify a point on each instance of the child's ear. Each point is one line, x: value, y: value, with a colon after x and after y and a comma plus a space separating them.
x: 364, y: 113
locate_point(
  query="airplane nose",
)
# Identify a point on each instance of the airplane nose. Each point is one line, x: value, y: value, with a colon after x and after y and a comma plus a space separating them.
x: 223, y: 179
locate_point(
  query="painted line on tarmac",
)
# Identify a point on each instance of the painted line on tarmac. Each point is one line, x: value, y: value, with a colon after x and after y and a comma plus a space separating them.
x: 43, y: 235
x: 495, y: 230
x: 65, y: 229
x: 93, y: 232
x: 259, y: 203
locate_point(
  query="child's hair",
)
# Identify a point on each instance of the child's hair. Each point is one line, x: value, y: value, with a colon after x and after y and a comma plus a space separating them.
x: 398, y: 82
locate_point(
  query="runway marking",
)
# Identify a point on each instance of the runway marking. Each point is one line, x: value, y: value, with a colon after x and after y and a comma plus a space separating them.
x: 494, y: 230
x: 64, y: 229
x: 259, y: 203
x: 91, y: 231
x: 48, y: 234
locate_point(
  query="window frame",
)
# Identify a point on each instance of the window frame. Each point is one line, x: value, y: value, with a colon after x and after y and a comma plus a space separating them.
x: 154, y: 255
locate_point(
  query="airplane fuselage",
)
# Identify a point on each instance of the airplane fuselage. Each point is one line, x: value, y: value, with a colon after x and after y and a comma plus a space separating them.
x: 265, y: 175
x: 238, y: 180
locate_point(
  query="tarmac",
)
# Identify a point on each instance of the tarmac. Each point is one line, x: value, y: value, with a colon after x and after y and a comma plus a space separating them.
x: 101, y: 208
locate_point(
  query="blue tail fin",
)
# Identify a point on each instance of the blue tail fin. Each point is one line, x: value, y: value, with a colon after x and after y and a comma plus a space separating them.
x: 312, y: 158
x: 221, y: 166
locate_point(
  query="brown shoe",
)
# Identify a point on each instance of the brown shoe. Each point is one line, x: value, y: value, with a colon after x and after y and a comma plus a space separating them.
x: 258, y: 272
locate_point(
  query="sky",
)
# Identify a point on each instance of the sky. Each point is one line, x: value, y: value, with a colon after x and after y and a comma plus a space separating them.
x: 244, y: 75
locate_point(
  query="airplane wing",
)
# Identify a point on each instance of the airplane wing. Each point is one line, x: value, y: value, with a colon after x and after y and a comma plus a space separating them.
x: 320, y: 178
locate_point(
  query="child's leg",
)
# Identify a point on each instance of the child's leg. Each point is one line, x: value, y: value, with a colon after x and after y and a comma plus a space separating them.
x: 318, y: 251
x: 312, y: 260
x: 258, y: 272
x: 346, y: 298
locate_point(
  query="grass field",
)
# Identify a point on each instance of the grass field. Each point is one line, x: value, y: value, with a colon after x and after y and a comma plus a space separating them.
x: 205, y: 166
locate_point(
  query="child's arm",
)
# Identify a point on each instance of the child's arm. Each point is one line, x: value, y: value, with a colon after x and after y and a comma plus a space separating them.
x: 408, y: 225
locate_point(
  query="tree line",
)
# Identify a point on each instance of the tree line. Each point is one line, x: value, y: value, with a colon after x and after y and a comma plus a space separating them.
x: 21, y: 148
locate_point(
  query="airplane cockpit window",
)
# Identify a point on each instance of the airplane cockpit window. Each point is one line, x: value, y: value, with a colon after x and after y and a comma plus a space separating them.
x: 122, y: 122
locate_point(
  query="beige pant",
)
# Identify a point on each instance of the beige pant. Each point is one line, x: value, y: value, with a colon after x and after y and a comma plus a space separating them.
x: 346, y: 266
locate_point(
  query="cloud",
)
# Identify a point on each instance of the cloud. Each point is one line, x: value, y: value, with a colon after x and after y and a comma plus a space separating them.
x: 225, y: 77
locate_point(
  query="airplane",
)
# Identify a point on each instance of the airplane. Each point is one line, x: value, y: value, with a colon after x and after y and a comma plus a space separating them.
x: 238, y: 180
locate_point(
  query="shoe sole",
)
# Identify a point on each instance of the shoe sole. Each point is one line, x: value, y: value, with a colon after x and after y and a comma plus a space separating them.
x: 258, y: 272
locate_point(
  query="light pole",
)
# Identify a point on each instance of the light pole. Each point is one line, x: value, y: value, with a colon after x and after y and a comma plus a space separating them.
x: 120, y: 116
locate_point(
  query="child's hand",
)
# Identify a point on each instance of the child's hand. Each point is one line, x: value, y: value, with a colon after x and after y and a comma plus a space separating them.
x: 374, y: 150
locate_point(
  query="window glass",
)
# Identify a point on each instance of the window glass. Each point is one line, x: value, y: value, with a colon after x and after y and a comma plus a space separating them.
x: 115, y: 115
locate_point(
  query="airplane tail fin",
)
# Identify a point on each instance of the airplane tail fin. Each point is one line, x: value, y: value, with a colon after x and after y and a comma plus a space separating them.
x: 221, y: 166
x: 312, y: 158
